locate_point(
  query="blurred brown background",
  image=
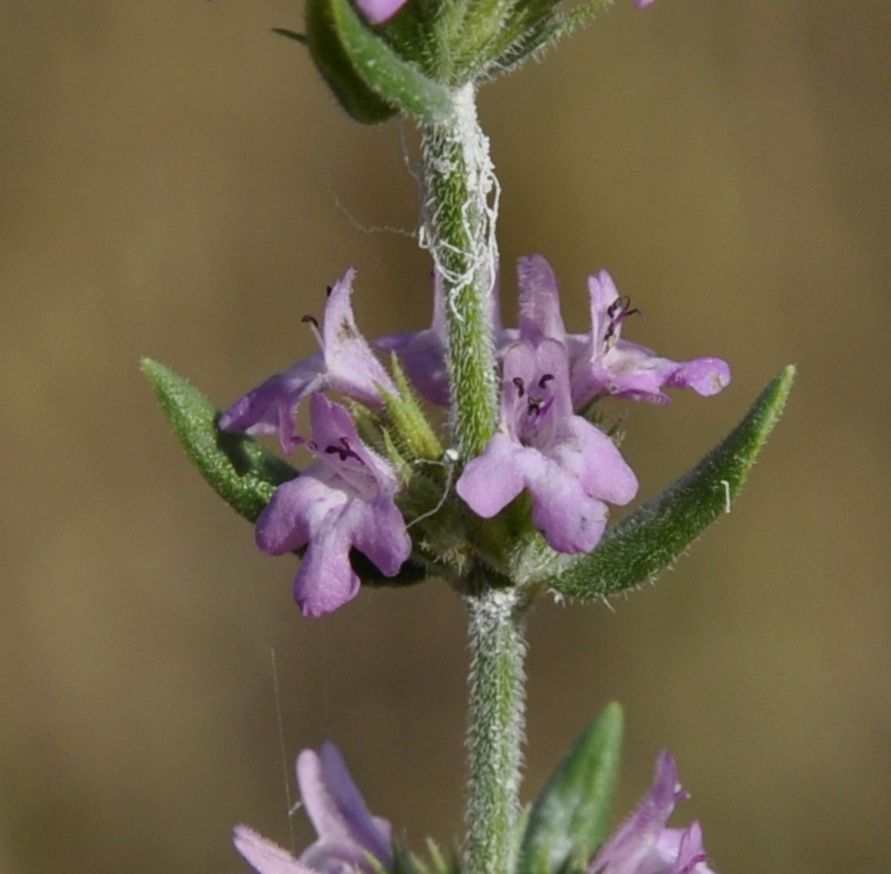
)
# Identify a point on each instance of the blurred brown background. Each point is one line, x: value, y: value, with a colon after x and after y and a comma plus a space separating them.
x: 177, y: 182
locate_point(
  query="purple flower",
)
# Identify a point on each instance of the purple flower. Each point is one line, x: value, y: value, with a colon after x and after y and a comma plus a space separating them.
x: 348, y: 835
x: 346, y: 364
x: 569, y: 467
x: 343, y: 501
x: 643, y: 845
x: 601, y: 363
x: 423, y: 353
x: 378, y: 11
x: 642, y: 4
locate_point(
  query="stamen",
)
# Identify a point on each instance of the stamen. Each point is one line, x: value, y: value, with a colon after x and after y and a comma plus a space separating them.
x: 533, y: 407
x: 344, y: 451
x: 546, y: 378
x: 328, y: 290
x: 518, y: 382
x: 313, y: 323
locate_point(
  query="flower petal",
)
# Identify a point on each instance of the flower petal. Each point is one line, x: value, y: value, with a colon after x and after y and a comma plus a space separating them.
x: 706, y: 376
x: 540, y: 316
x: 271, y: 407
x: 423, y: 353
x: 691, y: 857
x: 352, y: 367
x: 636, y: 840
x: 296, y: 511
x: 596, y: 462
x: 338, y: 812
x: 264, y: 856
x: 326, y: 579
x: 378, y: 11
x: 378, y: 530
x: 492, y: 480
x: 570, y: 520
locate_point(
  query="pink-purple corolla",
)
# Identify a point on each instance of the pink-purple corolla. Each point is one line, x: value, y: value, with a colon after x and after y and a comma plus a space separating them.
x: 601, y: 363
x: 644, y: 844
x: 344, y: 500
x: 350, y: 840
x: 345, y: 364
x: 569, y: 467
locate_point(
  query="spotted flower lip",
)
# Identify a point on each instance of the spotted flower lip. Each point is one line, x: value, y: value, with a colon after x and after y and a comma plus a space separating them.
x: 569, y: 467
x: 644, y: 845
x: 349, y: 837
x: 601, y: 362
x: 345, y: 364
x: 344, y: 500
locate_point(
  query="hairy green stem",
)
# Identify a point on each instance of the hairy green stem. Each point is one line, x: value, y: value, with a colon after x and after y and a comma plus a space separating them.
x: 460, y: 204
x: 496, y: 729
x: 459, y: 201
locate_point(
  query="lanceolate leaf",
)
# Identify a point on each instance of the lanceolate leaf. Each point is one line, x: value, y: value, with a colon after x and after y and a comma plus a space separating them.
x: 241, y: 471
x: 396, y: 82
x: 570, y: 818
x: 653, y: 536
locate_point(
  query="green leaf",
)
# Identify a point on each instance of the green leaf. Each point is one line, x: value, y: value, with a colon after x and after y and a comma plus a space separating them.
x: 242, y: 472
x: 654, y: 535
x: 360, y: 102
x: 239, y: 470
x: 570, y: 817
x: 369, y: 78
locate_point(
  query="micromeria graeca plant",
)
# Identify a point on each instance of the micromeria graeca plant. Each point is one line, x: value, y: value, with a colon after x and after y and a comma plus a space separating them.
x: 505, y: 496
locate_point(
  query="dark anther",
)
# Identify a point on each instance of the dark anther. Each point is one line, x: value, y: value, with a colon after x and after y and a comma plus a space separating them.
x: 621, y: 308
x: 328, y: 290
x: 518, y: 382
x: 313, y: 445
x: 546, y: 378
x: 344, y: 451
x: 310, y: 320
x: 533, y: 406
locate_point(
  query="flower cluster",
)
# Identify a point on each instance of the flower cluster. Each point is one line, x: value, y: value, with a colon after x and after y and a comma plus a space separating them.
x: 349, y: 498
x: 352, y: 841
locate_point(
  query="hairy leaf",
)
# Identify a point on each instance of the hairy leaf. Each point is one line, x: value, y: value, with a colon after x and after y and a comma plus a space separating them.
x: 570, y: 817
x: 654, y: 535
x: 242, y: 472
x: 352, y: 53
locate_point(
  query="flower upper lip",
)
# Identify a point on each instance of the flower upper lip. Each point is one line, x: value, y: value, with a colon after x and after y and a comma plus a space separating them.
x: 346, y: 364
x: 347, y: 833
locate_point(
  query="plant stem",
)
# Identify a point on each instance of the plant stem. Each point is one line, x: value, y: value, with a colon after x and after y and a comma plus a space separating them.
x: 460, y: 205
x: 495, y: 731
x: 459, y: 201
